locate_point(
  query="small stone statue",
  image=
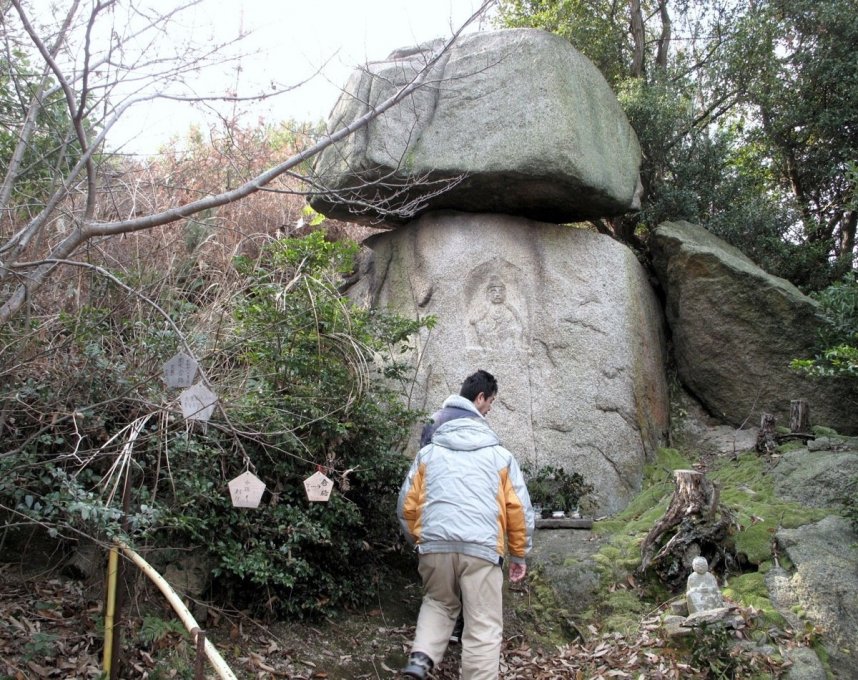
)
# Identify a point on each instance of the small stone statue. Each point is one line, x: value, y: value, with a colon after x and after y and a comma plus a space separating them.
x: 702, y: 592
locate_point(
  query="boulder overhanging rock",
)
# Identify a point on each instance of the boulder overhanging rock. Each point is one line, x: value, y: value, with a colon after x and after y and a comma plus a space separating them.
x: 515, y: 121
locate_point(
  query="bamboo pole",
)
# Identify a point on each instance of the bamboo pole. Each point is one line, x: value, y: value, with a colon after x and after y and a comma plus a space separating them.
x: 120, y: 593
x: 110, y: 608
x: 213, y: 655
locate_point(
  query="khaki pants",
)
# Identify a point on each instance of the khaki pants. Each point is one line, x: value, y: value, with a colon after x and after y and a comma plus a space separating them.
x: 450, y: 582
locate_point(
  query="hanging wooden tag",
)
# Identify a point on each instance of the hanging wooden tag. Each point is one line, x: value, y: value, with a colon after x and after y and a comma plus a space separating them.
x: 246, y: 490
x: 318, y: 487
x: 180, y: 370
x: 198, y: 402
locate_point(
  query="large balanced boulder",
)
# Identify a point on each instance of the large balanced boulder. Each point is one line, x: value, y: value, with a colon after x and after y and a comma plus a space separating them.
x: 736, y: 329
x: 565, y: 318
x: 514, y: 121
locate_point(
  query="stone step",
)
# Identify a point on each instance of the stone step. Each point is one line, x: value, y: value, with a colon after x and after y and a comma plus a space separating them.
x: 564, y: 523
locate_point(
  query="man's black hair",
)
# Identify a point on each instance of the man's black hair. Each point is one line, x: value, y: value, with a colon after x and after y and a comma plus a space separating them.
x: 481, y: 381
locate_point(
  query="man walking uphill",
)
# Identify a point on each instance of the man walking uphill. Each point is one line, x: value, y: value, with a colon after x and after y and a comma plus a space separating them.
x: 464, y: 505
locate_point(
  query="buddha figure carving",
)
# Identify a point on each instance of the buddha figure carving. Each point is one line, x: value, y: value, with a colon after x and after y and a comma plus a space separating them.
x: 497, y: 324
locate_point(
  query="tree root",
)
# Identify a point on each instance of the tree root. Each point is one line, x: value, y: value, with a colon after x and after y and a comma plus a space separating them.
x: 694, y: 524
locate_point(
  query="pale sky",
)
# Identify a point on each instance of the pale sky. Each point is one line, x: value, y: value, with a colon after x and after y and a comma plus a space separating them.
x: 294, y: 38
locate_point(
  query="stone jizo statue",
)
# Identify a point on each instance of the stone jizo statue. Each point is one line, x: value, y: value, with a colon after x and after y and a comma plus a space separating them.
x: 702, y: 592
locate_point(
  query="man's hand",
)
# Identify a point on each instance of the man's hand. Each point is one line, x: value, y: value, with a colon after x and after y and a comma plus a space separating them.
x: 517, y: 571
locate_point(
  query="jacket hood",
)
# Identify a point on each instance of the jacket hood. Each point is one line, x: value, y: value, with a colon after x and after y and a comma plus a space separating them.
x: 457, y: 401
x: 465, y: 434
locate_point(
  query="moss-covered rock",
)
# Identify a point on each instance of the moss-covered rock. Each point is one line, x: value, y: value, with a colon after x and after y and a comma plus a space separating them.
x: 751, y: 591
x: 747, y: 489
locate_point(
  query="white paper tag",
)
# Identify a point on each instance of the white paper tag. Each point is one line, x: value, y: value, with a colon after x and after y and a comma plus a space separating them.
x: 246, y: 490
x: 198, y: 402
x: 318, y: 487
x: 180, y: 370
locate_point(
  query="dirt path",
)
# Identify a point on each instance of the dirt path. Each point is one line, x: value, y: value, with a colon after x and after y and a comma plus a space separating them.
x: 50, y: 627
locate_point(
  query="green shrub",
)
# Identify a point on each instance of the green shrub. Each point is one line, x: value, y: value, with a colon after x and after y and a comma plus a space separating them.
x: 554, y: 488
x: 306, y: 381
x: 308, y: 392
x: 838, y: 338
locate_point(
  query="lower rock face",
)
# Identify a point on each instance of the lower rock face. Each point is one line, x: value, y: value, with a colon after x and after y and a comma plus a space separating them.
x: 564, y: 318
x: 824, y: 585
x: 565, y: 560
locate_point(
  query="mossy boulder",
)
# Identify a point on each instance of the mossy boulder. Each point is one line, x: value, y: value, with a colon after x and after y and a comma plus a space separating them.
x: 822, y: 479
x: 736, y: 329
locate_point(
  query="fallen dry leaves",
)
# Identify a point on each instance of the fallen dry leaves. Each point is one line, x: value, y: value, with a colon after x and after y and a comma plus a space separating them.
x: 49, y: 628
x: 601, y: 658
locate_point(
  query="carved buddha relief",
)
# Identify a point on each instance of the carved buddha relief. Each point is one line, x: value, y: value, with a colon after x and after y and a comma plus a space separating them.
x: 496, y: 321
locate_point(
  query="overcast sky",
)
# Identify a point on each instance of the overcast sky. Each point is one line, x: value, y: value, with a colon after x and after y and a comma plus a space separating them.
x: 293, y: 39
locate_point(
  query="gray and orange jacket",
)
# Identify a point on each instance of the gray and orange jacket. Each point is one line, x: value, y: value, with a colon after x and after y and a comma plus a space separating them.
x: 465, y: 493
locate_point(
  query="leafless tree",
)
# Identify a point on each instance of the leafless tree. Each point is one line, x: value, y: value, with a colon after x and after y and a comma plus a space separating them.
x: 87, y: 69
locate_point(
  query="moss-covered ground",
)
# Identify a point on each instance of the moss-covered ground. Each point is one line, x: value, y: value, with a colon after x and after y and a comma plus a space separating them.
x: 626, y: 601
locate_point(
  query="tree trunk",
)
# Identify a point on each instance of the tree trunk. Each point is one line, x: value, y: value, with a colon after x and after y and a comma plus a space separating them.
x: 664, y: 38
x: 638, y: 37
x: 766, y: 437
x: 700, y: 526
x: 847, y: 237
x: 799, y: 416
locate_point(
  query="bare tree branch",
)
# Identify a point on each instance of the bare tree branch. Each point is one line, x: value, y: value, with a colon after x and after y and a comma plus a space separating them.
x: 29, y: 124
x: 33, y: 278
